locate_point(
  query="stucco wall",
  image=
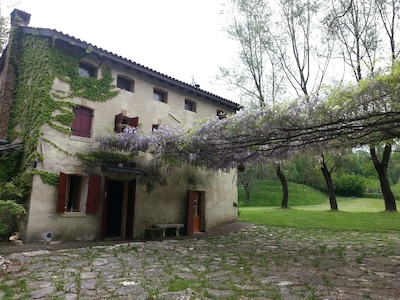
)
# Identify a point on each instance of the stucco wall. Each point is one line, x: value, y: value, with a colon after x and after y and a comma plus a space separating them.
x: 166, y: 203
x: 69, y: 226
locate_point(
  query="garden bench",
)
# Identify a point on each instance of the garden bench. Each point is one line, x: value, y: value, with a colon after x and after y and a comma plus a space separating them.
x: 177, y: 227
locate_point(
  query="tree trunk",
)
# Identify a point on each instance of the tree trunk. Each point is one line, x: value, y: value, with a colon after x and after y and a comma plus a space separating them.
x: 381, y: 169
x: 285, y: 190
x: 329, y: 185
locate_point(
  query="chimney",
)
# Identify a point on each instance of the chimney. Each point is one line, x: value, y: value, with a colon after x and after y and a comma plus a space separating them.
x: 19, y: 17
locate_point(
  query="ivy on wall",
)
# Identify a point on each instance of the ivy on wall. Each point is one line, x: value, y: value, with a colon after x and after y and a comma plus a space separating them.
x: 40, y: 62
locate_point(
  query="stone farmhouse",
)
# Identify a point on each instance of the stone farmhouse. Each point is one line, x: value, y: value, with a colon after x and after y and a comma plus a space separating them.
x: 57, y: 94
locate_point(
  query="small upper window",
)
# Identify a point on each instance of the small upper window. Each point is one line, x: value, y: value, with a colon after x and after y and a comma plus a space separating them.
x: 221, y: 114
x: 125, y: 83
x: 122, y: 121
x: 159, y: 95
x: 86, y: 70
x: 190, y: 105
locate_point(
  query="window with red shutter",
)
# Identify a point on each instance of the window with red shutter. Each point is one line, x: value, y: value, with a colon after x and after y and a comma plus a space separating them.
x: 82, y: 124
x: 71, y: 196
x: 121, y: 120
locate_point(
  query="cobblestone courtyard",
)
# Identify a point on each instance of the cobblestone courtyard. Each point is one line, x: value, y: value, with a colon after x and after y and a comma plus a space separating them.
x: 250, y: 262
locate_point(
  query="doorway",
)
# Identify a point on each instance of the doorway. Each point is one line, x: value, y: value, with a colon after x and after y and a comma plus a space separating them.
x: 115, y: 195
x: 118, y: 212
x: 195, y: 211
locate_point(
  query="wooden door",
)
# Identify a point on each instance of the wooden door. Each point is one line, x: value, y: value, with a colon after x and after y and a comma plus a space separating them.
x: 195, y: 212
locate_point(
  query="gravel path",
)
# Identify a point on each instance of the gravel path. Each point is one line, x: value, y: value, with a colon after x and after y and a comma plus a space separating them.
x: 238, y: 261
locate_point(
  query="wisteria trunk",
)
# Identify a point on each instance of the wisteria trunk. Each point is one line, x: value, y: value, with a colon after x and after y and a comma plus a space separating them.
x: 381, y: 169
x: 330, y: 187
x: 285, y: 190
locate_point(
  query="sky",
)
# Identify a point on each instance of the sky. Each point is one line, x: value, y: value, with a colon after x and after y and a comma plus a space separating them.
x: 183, y: 39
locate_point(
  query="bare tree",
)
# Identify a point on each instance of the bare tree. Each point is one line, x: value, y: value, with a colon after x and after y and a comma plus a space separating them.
x: 353, y: 24
x: 303, y: 52
x: 257, y: 73
x: 389, y: 12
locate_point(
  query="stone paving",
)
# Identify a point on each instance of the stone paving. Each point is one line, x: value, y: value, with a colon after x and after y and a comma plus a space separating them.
x: 253, y: 262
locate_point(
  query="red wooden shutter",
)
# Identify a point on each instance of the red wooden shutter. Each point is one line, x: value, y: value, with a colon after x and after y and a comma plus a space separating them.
x: 118, y: 122
x: 92, y: 201
x: 134, y: 122
x: 82, y: 124
x: 190, y: 211
x: 62, y: 192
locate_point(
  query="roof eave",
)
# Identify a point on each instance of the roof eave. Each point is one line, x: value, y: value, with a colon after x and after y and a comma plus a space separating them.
x: 45, y: 32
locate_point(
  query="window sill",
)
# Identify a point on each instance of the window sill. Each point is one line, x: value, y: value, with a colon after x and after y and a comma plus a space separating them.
x: 81, y: 139
x: 77, y: 214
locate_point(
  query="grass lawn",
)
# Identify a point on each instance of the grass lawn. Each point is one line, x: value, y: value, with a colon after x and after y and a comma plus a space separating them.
x: 359, y: 214
x: 269, y: 193
x: 349, y: 205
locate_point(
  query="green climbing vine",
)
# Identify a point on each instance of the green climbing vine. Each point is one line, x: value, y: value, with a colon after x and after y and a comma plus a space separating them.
x: 40, y: 62
x: 107, y: 158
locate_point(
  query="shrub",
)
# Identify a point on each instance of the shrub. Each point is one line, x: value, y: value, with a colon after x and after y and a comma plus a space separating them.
x: 10, y: 212
x: 350, y: 185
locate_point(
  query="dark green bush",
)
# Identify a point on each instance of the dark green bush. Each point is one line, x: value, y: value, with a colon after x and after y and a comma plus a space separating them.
x: 10, y: 212
x: 350, y: 185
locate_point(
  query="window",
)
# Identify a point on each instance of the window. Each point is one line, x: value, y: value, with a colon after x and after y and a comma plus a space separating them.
x: 73, y: 190
x: 86, y: 70
x: 154, y: 127
x: 125, y: 83
x: 221, y: 114
x: 82, y: 124
x: 72, y: 202
x: 121, y: 120
x: 190, y: 105
x: 159, y: 95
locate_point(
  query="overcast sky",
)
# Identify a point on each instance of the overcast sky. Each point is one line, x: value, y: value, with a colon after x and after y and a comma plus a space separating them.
x: 180, y: 38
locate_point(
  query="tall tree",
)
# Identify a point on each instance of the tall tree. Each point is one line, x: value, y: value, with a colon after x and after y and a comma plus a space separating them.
x: 257, y: 73
x: 304, y: 54
x: 3, y: 30
x: 327, y: 172
x: 389, y: 12
x: 267, y: 47
x: 354, y: 23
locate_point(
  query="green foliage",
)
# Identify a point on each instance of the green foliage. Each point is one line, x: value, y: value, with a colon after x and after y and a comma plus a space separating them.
x: 305, y: 169
x: 39, y: 64
x: 103, y: 157
x: 17, y: 189
x: 269, y: 193
x: 10, y: 165
x: 10, y: 211
x: 350, y: 185
x: 66, y: 118
x: 92, y: 88
x: 47, y: 177
x: 3, y: 32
